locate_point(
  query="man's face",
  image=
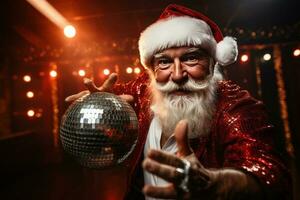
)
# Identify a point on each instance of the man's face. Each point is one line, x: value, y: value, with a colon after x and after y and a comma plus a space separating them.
x: 181, y: 64
x: 183, y: 89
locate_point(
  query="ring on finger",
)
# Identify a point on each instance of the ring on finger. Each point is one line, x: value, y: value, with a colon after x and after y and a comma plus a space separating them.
x: 185, y: 172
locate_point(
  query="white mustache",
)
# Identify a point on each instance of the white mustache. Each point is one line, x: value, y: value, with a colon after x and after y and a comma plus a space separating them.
x: 191, y: 85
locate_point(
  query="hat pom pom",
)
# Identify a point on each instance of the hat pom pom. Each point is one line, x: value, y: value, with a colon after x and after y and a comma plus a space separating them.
x: 226, y: 51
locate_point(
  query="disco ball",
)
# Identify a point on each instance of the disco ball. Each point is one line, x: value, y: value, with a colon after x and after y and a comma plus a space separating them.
x: 99, y: 130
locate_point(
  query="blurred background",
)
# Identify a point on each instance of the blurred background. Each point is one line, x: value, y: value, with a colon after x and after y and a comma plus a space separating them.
x: 48, y: 47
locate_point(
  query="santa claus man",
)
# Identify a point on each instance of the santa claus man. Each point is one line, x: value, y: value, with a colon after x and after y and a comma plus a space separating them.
x: 200, y: 137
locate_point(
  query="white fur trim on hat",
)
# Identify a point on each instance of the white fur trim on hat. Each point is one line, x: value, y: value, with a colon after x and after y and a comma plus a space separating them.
x: 183, y: 31
x: 226, y: 51
x: 174, y: 32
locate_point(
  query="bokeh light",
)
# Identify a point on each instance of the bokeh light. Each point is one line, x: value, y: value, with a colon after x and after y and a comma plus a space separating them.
x: 53, y: 73
x: 244, y: 58
x: 69, y: 31
x: 27, y: 78
x: 106, y: 72
x: 30, y: 113
x: 81, y: 72
x: 137, y: 70
x: 267, y: 57
x: 30, y: 94
x: 296, y: 52
x: 129, y: 70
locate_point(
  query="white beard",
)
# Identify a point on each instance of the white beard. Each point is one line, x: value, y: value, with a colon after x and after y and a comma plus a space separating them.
x: 197, y: 107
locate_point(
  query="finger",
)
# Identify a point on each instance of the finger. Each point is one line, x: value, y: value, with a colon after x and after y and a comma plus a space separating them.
x: 166, y: 172
x: 181, y: 136
x: 77, y: 96
x: 165, y: 158
x: 127, y: 98
x: 109, y: 82
x: 166, y: 192
x: 90, y: 85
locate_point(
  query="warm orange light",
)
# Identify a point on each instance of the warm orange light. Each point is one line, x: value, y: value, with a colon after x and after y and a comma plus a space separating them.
x: 69, y: 31
x: 129, y: 70
x: 53, y: 73
x: 30, y: 113
x: 267, y: 57
x: 30, y: 94
x: 296, y: 52
x: 137, y: 70
x: 244, y: 58
x: 81, y: 72
x: 38, y: 115
x: 106, y: 72
x: 27, y: 78
x: 50, y: 12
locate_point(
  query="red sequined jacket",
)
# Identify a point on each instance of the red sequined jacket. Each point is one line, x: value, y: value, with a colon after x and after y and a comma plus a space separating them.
x: 241, y: 136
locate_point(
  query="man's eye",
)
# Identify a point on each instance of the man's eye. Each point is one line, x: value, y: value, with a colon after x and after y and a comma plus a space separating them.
x: 163, y: 63
x: 190, y: 59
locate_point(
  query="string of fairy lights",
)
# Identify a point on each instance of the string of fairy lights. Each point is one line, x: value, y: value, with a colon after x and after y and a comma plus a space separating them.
x: 282, y: 97
x: 54, y: 100
x: 53, y: 73
x: 272, y: 34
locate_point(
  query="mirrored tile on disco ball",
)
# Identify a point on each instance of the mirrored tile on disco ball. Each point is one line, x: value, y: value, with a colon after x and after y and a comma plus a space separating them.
x: 100, y: 130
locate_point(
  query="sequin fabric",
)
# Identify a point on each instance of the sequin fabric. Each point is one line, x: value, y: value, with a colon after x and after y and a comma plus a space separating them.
x: 241, y: 136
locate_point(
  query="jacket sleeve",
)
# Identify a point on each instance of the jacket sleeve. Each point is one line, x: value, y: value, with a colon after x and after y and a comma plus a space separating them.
x: 248, y: 144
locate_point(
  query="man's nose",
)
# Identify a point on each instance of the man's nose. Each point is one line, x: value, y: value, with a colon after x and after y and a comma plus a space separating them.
x: 179, y: 74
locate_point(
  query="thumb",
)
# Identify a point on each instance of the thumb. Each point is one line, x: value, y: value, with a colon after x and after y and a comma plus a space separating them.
x: 181, y: 136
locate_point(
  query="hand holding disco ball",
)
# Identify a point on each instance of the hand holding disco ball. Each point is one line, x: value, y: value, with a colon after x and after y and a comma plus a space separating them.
x: 99, y: 130
x: 106, y: 87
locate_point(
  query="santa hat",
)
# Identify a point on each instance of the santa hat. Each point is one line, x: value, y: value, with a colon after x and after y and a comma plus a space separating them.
x: 179, y: 26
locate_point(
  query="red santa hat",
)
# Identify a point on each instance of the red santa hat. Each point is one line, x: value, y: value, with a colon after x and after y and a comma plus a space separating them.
x: 179, y: 26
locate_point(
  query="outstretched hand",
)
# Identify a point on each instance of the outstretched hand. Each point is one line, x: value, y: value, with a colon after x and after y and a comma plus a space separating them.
x: 105, y: 87
x: 164, y: 165
x: 202, y: 183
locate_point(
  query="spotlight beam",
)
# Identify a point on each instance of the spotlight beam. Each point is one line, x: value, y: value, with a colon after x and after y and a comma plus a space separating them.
x: 50, y: 12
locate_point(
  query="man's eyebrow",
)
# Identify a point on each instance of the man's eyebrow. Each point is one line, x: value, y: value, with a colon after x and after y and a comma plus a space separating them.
x: 193, y: 49
x: 159, y: 55
x: 190, y: 50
